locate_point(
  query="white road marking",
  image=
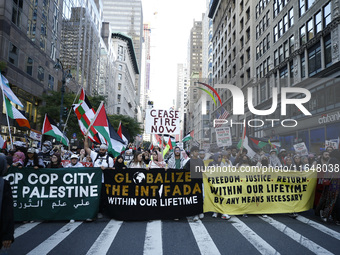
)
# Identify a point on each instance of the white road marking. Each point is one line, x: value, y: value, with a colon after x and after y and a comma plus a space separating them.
x: 309, y: 244
x: 261, y: 245
x: 24, y: 228
x: 50, y: 243
x: 105, y: 239
x: 319, y: 227
x: 153, y: 238
x: 203, y: 239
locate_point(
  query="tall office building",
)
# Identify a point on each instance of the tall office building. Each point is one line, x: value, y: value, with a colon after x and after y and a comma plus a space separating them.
x: 183, y: 81
x: 281, y: 44
x: 126, y: 17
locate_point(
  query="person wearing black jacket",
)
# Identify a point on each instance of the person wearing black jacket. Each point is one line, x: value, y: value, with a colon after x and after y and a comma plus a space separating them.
x: 6, y: 205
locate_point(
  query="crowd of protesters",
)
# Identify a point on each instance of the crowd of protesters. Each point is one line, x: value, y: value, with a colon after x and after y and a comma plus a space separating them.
x: 327, y: 194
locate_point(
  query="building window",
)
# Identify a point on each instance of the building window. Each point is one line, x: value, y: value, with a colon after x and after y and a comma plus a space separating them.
x: 303, y: 65
x: 118, y: 110
x: 275, y: 8
x: 317, y: 22
x: 285, y: 23
x: 286, y: 49
x: 248, y: 54
x: 276, y: 58
x: 118, y: 98
x: 263, y: 92
x: 29, y: 66
x: 257, y: 52
x: 327, y: 14
x: 119, y: 86
x: 328, y: 50
x: 41, y: 73
x: 309, y: 3
x: 291, y: 68
x: 264, y: 44
x: 284, y: 76
x: 281, y: 56
x: 248, y: 14
x: 268, y: 41
x: 280, y: 28
x: 276, y: 35
x: 310, y: 29
x: 257, y: 32
x: 248, y: 74
x: 291, y: 17
x: 314, y: 59
x: 13, y: 54
x: 291, y: 44
x: 302, y: 35
x: 50, y: 82
x: 302, y: 8
x: 16, y: 11
x: 120, y: 67
x: 120, y: 76
x: 120, y: 49
x: 248, y: 34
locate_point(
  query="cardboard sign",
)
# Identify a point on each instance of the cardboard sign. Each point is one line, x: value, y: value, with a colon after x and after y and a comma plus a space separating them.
x: 162, y: 121
x: 223, y: 136
x: 301, y: 149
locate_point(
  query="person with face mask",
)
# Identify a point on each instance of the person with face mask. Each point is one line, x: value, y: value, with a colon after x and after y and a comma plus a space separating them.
x: 273, y: 158
x: 46, y: 152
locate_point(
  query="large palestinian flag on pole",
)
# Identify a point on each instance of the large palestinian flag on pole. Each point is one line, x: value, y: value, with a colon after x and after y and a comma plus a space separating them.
x: 247, y: 143
x: 103, y: 126
x: 189, y: 136
x: 85, y: 114
x: 51, y: 129
x: 14, y: 113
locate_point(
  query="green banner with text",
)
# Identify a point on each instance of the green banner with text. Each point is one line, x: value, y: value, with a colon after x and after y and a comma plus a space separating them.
x: 55, y: 194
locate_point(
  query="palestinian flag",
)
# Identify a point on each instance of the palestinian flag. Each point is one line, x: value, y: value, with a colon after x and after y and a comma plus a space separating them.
x: 8, y: 92
x: 103, y: 126
x: 170, y: 138
x: 247, y: 143
x: 189, y: 136
x: 262, y: 142
x: 51, y: 129
x: 85, y: 114
x: 121, y: 133
x: 14, y: 113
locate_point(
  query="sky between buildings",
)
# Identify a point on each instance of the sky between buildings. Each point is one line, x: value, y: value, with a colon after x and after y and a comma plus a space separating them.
x: 170, y: 23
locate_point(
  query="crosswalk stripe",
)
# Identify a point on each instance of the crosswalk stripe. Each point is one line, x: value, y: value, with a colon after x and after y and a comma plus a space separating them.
x: 309, y: 244
x: 24, y: 228
x: 261, y: 245
x: 105, y: 239
x: 319, y: 227
x: 203, y: 239
x: 153, y: 238
x: 50, y: 243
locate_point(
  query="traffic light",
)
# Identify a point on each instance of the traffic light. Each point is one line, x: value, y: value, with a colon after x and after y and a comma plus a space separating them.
x: 65, y: 112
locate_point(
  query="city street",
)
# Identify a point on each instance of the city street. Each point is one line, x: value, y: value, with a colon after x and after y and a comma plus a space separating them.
x: 277, y: 234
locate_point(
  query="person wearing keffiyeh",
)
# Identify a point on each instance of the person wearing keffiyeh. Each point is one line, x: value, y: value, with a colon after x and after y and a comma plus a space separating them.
x: 157, y: 160
x: 18, y: 158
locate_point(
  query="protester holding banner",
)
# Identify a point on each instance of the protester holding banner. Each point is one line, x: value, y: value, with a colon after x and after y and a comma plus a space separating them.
x: 119, y: 163
x: 176, y: 159
x: 55, y: 161
x: 6, y: 213
x: 46, y: 152
x: 74, y: 162
x: 137, y: 161
x: 157, y: 160
x: 32, y: 159
x: 18, y: 159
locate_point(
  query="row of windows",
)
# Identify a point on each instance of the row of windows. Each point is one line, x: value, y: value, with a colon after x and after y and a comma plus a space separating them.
x: 315, y: 24
x: 283, y: 25
x: 263, y: 24
x: 278, y: 6
x: 314, y: 57
x: 13, y: 57
x: 284, y: 51
x: 263, y: 68
x: 304, y: 5
x: 263, y: 46
x: 260, y: 7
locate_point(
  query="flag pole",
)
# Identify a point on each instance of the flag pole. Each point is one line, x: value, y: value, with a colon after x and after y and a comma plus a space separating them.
x: 95, y: 116
x: 9, y: 128
x: 69, y: 112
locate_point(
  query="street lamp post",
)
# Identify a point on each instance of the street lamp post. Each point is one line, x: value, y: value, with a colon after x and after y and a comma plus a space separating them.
x: 66, y: 75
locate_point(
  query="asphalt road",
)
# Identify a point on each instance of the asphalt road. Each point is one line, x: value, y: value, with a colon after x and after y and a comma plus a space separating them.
x: 277, y: 234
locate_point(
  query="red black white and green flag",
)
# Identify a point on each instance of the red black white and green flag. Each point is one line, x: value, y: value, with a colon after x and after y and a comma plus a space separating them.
x: 188, y: 136
x: 51, y: 129
x: 14, y: 113
x: 103, y: 126
x: 85, y: 114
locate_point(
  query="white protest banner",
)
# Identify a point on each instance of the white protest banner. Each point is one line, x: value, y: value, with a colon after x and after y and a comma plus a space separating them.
x: 334, y: 143
x: 223, y: 136
x: 162, y: 121
x: 301, y: 149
